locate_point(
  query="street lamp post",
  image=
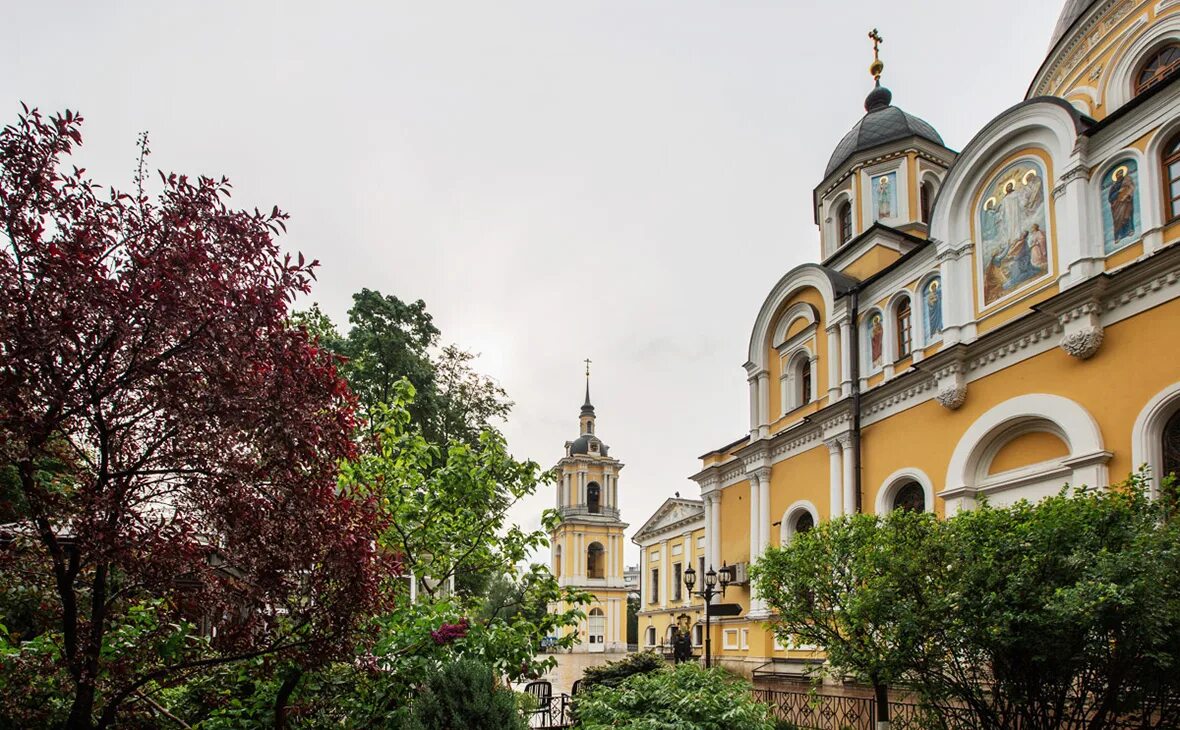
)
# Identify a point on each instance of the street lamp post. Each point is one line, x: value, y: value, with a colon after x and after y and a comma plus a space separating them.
x: 708, y: 592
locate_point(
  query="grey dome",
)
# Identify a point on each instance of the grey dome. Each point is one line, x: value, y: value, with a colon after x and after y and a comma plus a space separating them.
x: 1073, y: 10
x: 581, y: 445
x: 882, y: 124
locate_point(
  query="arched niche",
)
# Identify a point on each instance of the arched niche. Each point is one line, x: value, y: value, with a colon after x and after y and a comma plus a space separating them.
x: 970, y: 475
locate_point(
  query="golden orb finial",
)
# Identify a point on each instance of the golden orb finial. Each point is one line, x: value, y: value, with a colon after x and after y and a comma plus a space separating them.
x: 877, y: 66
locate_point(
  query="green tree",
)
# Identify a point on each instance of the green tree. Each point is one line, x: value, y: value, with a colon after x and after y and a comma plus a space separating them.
x: 389, y: 340
x: 446, y: 512
x: 684, y: 698
x: 464, y: 695
x: 856, y: 586
x: 1065, y: 613
x: 633, y: 620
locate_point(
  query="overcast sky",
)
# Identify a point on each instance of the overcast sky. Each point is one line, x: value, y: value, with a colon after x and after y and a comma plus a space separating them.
x: 558, y: 180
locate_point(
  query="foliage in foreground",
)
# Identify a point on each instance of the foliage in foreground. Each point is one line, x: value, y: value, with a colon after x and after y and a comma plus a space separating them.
x: 1059, y: 614
x: 614, y: 673
x: 169, y: 442
x: 464, y: 696
x: 684, y: 698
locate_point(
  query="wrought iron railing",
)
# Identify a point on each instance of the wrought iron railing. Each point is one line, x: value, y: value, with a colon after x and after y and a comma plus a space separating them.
x: 818, y: 711
x: 553, y: 713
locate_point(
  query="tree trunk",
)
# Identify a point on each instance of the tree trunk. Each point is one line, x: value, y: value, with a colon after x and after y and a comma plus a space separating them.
x: 82, y: 711
x: 284, y: 695
x: 881, y: 693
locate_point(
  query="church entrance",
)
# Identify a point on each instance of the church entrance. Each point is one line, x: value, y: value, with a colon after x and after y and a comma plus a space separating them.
x: 597, y: 631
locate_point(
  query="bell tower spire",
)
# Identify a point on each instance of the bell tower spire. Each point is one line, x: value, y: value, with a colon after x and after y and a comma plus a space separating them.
x: 586, y: 419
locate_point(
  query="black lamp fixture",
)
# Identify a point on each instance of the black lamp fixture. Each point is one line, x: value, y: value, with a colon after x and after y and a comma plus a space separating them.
x: 713, y: 578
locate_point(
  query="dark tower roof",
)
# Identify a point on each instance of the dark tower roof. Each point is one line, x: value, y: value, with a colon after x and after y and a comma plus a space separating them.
x: 881, y: 124
x: 587, y: 407
x: 1073, y: 10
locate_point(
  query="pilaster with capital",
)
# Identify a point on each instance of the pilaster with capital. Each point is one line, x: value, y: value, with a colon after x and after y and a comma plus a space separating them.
x: 835, y: 478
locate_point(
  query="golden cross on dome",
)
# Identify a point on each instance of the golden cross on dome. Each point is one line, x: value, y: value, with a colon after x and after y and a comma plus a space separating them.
x: 876, y: 67
x: 587, y: 361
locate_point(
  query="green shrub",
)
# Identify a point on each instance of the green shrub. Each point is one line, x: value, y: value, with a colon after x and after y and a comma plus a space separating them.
x: 463, y: 696
x: 684, y: 698
x: 612, y: 673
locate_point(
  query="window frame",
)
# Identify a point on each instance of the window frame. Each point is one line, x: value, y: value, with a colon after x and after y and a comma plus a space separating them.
x: 1138, y: 84
x: 843, y: 223
x: 903, y: 324
x: 1169, y: 156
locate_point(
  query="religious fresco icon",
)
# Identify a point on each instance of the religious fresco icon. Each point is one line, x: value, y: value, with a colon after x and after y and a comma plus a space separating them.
x: 932, y: 309
x: 1120, y: 205
x: 884, y: 189
x: 876, y: 332
x: 1013, y: 241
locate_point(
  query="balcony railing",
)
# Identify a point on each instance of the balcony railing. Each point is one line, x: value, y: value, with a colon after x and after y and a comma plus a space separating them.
x: 571, y: 510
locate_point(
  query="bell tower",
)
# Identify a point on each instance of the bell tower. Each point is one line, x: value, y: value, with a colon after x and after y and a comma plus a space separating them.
x: 587, y: 545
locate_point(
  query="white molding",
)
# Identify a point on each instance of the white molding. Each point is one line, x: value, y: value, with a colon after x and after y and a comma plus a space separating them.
x: 1118, y: 83
x: 1081, y: 433
x: 798, y: 310
x: 894, y: 481
x: 786, y: 530
x: 1149, y: 429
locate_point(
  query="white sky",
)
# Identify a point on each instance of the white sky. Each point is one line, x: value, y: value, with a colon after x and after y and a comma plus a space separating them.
x: 558, y: 180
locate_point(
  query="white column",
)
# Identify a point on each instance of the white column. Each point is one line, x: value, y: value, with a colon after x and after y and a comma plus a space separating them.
x: 835, y: 354
x: 835, y: 480
x: 643, y: 577
x: 606, y: 500
x: 764, y: 508
x: 846, y: 359
x: 849, y: 475
x: 715, y: 528
x: 755, y: 515
x: 754, y: 410
x: 755, y: 533
x: 764, y: 403
x: 664, y: 574
x: 709, y: 534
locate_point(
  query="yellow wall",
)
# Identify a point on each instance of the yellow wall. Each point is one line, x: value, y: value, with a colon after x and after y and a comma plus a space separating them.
x: 1029, y: 448
x: 926, y: 435
x: 804, y: 476
x: 870, y: 262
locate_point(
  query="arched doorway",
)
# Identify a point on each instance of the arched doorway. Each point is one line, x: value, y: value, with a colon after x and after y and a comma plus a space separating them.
x: 596, y: 631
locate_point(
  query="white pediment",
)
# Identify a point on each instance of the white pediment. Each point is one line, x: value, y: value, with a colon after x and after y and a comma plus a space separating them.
x: 672, y: 512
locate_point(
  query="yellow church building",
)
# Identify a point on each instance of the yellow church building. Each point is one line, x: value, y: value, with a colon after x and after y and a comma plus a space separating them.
x: 992, y: 322
x: 587, y: 545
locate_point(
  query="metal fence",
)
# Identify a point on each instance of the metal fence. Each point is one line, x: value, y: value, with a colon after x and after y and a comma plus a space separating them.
x: 553, y: 713
x: 817, y: 711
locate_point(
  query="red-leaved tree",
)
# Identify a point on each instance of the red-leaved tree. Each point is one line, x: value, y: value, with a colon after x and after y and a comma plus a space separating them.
x: 174, y: 439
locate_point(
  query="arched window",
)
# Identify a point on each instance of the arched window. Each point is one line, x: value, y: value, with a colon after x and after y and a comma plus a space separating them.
x: 593, y: 498
x: 911, y: 496
x: 1171, y: 446
x: 844, y: 222
x: 803, y: 523
x: 803, y: 377
x: 557, y: 561
x: 651, y: 635
x: 905, y: 333
x: 926, y: 199
x: 1157, y: 67
x: 595, y: 561
x: 1172, y: 177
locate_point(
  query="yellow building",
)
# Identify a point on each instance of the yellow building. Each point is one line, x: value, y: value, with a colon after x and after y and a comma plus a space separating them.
x: 993, y: 322
x: 587, y: 546
x: 670, y: 542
